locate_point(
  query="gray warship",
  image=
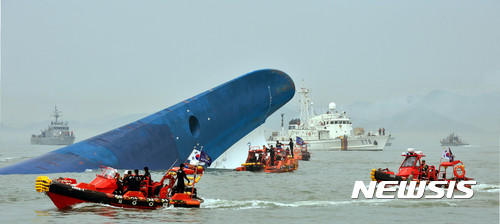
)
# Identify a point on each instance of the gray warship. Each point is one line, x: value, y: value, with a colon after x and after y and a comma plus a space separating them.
x: 452, y: 140
x: 57, y: 133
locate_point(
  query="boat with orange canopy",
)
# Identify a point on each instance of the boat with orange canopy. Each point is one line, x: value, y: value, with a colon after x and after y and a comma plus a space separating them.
x: 300, y: 152
x: 259, y: 160
x: 414, y: 168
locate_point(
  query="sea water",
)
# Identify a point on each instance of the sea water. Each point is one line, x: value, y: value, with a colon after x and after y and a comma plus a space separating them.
x: 318, y: 192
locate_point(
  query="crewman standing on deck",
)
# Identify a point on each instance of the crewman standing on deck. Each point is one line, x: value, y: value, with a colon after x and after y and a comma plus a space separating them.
x: 135, y: 181
x: 278, y: 144
x: 147, y: 175
x: 181, y: 175
x: 271, y: 154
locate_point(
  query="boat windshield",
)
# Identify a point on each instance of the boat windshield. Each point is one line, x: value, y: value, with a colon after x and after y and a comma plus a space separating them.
x: 109, y: 173
x: 409, y: 161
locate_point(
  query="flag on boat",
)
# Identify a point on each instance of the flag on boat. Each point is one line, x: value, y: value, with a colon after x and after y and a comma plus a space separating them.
x: 300, y: 141
x: 199, y: 156
x: 194, y: 155
x: 447, y: 154
x: 452, y: 157
x: 205, y: 158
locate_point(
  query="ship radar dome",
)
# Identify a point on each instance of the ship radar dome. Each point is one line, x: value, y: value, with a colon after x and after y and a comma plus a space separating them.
x: 332, y: 106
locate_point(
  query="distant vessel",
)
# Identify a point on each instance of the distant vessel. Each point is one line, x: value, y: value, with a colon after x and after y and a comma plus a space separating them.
x: 452, y: 140
x: 57, y: 133
x: 331, y: 131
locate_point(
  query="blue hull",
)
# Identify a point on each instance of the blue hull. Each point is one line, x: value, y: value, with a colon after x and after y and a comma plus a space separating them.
x: 214, y: 119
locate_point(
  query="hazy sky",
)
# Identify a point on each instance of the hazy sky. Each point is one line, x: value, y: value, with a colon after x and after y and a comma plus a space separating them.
x: 103, y: 58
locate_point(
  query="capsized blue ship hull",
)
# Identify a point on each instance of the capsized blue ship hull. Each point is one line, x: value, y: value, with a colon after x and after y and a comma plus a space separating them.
x: 214, y: 119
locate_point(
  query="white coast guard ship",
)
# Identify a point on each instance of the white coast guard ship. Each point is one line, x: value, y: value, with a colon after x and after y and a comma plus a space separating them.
x: 57, y: 133
x: 332, y: 131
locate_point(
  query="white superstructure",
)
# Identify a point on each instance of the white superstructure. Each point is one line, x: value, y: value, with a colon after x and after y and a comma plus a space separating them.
x: 331, y: 130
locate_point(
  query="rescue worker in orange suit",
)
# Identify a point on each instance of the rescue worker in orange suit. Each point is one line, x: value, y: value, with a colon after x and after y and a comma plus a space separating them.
x: 181, y: 175
x: 263, y: 156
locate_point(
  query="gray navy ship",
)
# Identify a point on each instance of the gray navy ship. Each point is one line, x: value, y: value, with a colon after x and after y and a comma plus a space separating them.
x: 452, y: 140
x: 57, y: 133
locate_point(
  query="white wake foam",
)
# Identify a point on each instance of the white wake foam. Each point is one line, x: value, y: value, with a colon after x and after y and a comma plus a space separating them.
x: 5, y: 159
x: 489, y: 188
x: 255, y: 204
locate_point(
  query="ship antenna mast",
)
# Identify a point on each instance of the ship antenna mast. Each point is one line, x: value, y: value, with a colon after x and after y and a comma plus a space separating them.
x: 304, y: 106
x: 56, y: 113
x: 282, y: 127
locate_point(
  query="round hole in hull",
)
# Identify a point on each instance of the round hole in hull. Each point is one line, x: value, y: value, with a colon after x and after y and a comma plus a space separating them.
x: 194, y: 126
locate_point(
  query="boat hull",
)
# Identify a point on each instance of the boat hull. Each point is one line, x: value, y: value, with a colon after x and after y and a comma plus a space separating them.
x: 306, y: 156
x: 453, y: 144
x: 384, y: 176
x: 357, y: 143
x: 280, y: 169
x: 288, y: 165
x: 254, y: 167
x: 65, y: 196
x: 57, y: 140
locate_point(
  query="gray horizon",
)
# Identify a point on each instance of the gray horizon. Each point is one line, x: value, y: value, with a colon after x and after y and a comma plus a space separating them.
x: 97, y: 59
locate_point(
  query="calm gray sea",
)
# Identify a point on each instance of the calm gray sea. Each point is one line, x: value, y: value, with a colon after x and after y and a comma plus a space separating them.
x: 318, y: 192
